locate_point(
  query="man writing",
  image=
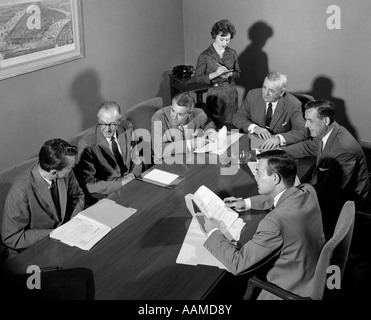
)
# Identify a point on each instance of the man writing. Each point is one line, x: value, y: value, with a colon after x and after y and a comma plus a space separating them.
x: 272, y: 113
x: 288, y: 239
x: 180, y: 128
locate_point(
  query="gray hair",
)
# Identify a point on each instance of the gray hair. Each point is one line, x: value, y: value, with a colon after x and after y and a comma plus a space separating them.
x: 279, y: 78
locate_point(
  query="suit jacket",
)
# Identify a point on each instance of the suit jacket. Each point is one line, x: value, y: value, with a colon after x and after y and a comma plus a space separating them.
x: 29, y: 211
x: 287, y: 118
x: 287, y: 242
x: 340, y: 174
x: 167, y: 138
x: 98, y: 170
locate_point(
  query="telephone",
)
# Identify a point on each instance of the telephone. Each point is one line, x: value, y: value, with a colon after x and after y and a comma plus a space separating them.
x: 182, y: 71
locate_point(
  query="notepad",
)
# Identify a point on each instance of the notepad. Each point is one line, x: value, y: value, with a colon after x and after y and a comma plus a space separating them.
x: 160, y: 178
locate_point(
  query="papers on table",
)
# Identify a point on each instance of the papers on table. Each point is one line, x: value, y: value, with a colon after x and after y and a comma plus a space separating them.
x: 222, y: 142
x: 91, y: 225
x: 161, y: 178
x: 193, y: 252
x: 209, y: 204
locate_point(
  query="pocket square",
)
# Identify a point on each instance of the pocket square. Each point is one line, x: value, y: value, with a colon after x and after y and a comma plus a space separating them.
x: 283, y: 124
x: 323, y: 169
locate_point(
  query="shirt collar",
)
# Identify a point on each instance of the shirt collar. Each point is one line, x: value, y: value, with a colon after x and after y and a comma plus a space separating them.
x: 277, y: 197
x: 325, y: 138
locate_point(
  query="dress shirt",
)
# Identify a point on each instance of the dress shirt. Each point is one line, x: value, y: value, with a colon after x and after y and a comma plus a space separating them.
x: 325, y: 138
x: 253, y: 126
x: 117, y: 140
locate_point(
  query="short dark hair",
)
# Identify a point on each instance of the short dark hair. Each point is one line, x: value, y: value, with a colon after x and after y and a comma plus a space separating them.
x: 223, y: 27
x: 184, y: 99
x: 53, y: 154
x: 282, y: 163
x: 325, y: 108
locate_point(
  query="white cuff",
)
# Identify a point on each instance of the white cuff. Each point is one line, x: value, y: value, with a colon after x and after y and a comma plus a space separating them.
x: 282, y: 140
x: 251, y: 128
x: 248, y: 204
x: 211, y: 231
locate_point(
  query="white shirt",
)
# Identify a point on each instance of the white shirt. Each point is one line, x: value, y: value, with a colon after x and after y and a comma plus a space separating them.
x: 117, y: 141
x: 325, y: 138
x: 252, y: 126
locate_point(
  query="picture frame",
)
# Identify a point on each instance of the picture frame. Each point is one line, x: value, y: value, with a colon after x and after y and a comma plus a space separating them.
x: 39, y: 34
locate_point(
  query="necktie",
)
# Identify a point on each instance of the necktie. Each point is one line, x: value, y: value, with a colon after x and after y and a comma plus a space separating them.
x: 118, y: 157
x: 268, y: 116
x: 320, y: 147
x: 55, y: 196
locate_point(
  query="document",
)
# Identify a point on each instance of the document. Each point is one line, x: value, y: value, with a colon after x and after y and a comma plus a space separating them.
x: 213, y: 207
x: 91, y: 225
x: 209, y: 204
x: 222, y: 142
x: 160, y: 178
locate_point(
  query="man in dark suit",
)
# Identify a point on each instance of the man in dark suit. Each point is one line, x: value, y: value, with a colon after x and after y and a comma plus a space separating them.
x: 180, y: 128
x: 341, y: 168
x: 31, y: 211
x: 106, y: 158
x: 288, y: 240
x: 272, y: 113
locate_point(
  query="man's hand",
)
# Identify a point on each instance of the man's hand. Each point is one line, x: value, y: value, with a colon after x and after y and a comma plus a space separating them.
x: 200, y: 142
x: 206, y: 224
x: 126, y: 179
x: 271, y: 143
x: 235, y: 203
x: 262, y: 133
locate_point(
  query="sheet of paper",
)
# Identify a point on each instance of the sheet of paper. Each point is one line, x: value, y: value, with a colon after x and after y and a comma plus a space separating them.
x: 222, y: 143
x: 193, y: 252
x: 80, y: 232
x: 108, y: 212
x: 161, y: 176
x: 212, y: 206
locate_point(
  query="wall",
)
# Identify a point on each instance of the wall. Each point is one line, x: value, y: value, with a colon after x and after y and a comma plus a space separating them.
x: 129, y: 52
x: 291, y: 36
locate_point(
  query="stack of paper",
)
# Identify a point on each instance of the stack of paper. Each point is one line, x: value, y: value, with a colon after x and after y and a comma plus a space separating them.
x: 91, y: 225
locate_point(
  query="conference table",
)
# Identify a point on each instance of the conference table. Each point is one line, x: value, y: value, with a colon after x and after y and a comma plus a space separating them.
x: 137, y: 259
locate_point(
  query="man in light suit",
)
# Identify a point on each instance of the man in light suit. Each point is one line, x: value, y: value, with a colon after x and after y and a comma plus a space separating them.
x: 288, y: 240
x: 30, y: 213
x: 180, y: 128
x: 341, y: 168
x: 106, y: 158
x: 285, y: 123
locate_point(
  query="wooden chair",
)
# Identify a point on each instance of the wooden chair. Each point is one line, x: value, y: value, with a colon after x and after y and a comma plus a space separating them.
x: 334, y: 252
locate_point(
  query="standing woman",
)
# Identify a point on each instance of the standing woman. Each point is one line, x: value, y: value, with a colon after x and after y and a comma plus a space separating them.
x: 218, y: 66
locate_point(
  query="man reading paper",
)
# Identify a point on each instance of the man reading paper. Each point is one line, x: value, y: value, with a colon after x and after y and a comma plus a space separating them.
x: 288, y: 239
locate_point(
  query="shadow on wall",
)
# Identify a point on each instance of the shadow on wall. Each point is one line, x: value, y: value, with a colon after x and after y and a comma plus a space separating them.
x: 85, y: 90
x: 253, y: 60
x: 164, y: 88
x: 322, y: 88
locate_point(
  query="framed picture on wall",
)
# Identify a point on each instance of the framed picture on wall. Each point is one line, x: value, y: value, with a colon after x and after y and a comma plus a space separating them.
x: 39, y: 34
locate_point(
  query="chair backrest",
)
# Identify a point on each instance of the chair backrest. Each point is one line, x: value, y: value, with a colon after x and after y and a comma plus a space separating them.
x: 303, y: 98
x: 140, y: 115
x: 334, y: 252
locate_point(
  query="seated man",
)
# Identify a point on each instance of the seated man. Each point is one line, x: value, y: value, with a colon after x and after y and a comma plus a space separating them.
x: 341, y: 169
x: 272, y: 113
x: 42, y: 198
x: 177, y: 128
x: 106, y: 162
x: 288, y: 239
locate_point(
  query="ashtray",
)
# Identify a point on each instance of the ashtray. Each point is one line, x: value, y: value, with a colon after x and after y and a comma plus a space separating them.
x: 241, y: 157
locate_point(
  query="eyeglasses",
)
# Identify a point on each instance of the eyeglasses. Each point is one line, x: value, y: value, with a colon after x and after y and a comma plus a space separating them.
x: 112, y: 124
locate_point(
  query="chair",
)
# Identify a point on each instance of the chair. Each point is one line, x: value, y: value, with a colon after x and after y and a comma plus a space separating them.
x: 303, y: 98
x: 140, y: 115
x: 334, y: 252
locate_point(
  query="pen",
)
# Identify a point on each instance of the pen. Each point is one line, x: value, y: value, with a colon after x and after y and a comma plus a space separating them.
x: 235, y: 200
